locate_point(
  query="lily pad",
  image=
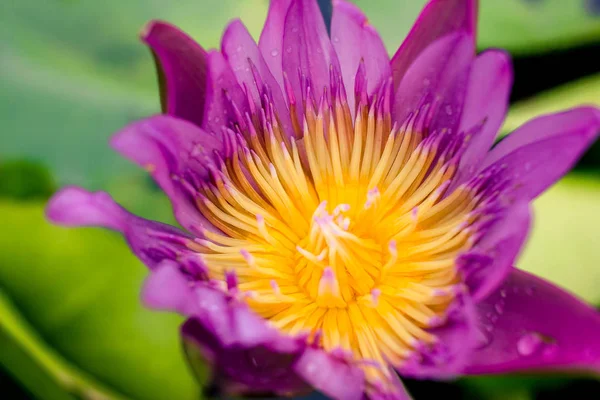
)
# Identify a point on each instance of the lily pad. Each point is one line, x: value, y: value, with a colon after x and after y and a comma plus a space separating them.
x: 73, y: 73
x: 563, y: 246
x: 583, y: 91
x: 520, y: 26
x: 79, y: 291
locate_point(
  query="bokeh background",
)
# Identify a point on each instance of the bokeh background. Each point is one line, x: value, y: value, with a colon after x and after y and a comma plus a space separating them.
x: 72, y: 72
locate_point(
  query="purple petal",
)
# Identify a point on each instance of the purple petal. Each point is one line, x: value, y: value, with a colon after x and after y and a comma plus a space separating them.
x: 486, y: 100
x: 248, y: 358
x: 456, y: 336
x: 333, y: 377
x: 486, y: 265
x: 530, y: 324
x: 246, y: 60
x: 152, y: 242
x: 438, y: 19
x: 394, y: 390
x: 438, y: 77
x: 169, y: 149
x: 541, y: 151
x: 222, y: 94
x: 271, y: 38
x: 181, y: 65
x: 356, y: 41
x: 167, y: 289
x: 73, y: 206
x: 308, y: 52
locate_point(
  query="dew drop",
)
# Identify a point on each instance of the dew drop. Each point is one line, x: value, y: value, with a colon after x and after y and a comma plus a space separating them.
x: 448, y: 110
x: 550, y: 350
x: 529, y: 291
x: 274, y: 52
x: 294, y: 29
x: 483, y: 339
x: 499, y: 307
x: 239, y: 49
x: 336, y: 39
x: 503, y: 293
x: 533, y: 342
x: 288, y: 50
x: 426, y: 82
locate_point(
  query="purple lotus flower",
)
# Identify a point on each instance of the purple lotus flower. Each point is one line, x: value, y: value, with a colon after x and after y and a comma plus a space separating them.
x: 346, y: 222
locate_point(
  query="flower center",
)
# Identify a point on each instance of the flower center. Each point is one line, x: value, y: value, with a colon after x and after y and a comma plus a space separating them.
x: 348, y: 229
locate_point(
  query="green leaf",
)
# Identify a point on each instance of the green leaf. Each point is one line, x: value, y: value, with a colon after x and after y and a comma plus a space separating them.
x: 79, y: 291
x: 521, y: 26
x: 73, y: 73
x: 38, y: 367
x: 528, y: 26
x: 563, y: 246
x: 25, y: 180
x: 583, y: 91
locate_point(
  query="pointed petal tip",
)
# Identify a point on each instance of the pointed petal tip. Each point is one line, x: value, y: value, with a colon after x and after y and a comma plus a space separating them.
x: 74, y: 206
x: 149, y: 29
x: 167, y: 289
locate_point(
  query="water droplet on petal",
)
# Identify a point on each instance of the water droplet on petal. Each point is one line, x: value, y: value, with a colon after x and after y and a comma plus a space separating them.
x: 530, y: 291
x: 503, y: 293
x: 288, y: 50
x: 336, y: 39
x: 239, y: 49
x: 533, y: 342
x: 295, y: 29
x: 483, y: 339
x: 550, y: 350
x: 274, y: 52
x: 499, y: 307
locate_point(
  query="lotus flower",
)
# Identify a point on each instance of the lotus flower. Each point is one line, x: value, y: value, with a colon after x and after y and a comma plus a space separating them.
x: 346, y: 220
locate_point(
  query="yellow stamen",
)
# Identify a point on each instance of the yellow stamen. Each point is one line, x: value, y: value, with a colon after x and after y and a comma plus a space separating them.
x: 345, y: 229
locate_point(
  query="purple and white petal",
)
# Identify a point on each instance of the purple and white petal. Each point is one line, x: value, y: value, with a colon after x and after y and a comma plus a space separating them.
x: 308, y: 55
x: 271, y: 38
x: 447, y: 357
x: 173, y: 151
x: 529, y: 324
x: 439, y: 18
x: 438, y: 80
x: 536, y: 155
x: 487, y: 264
x: 355, y: 41
x: 486, y: 103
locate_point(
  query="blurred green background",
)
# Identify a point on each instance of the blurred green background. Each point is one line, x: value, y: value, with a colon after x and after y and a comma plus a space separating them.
x: 72, y: 72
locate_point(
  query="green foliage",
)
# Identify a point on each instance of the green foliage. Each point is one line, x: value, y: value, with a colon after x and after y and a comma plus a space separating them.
x: 79, y: 291
x: 25, y: 180
x: 521, y: 26
x: 74, y: 72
